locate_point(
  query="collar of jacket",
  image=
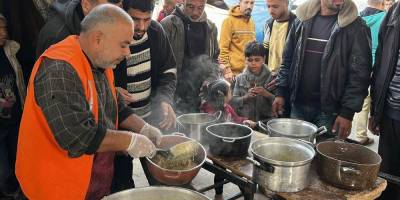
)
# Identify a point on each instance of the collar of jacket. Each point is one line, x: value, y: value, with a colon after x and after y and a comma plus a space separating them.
x: 292, y: 17
x: 179, y: 12
x: 394, y: 17
x: 310, y: 8
x: 10, y: 49
x: 235, y: 12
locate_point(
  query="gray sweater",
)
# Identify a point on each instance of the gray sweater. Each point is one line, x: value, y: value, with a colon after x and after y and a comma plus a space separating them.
x: 257, y: 108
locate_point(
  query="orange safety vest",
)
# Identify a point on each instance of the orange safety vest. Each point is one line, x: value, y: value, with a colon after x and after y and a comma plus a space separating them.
x: 43, y: 168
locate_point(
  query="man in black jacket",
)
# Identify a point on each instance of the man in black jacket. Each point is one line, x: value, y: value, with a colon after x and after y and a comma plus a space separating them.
x: 326, y: 65
x: 146, y: 79
x: 385, y: 98
x: 65, y: 19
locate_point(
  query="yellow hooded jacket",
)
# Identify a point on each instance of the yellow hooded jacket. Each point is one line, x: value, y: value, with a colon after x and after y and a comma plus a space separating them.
x: 236, y: 31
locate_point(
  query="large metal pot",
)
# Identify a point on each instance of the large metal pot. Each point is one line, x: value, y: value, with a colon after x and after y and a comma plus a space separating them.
x: 292, y: 128
x: 281, y: 164
x: 176, y: 177
x: 345, y: 165
x: 157, y: 193
x: 229, y: 139
x: 193, y: 125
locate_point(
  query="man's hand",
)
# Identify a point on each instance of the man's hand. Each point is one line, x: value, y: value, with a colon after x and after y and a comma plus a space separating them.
x: 169, y: 116
x: 342, y: 127
x: 250, y: 123
x: 140, y: 146
x: 277, y: 106
x: 261, y: 91
x: 373, y: 127
x: 151, y: 132
x: 126, y: 96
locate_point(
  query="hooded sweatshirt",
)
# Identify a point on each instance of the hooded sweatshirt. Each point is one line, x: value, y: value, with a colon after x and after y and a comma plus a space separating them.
x: 65, y: 20
x: 373, y: 18
x: 236, y: 31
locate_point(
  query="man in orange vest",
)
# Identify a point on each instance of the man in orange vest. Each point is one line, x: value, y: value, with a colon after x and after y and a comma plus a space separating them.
x: 69, y: 128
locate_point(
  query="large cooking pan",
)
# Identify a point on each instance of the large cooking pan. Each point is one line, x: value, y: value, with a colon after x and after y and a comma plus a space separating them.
x: 176, y: 177
x: 292, y: 128
x: 229, y: 139
x: 194, y: 125
x: 346, y: 165
x: 281, y: 164
x: 157, y: 193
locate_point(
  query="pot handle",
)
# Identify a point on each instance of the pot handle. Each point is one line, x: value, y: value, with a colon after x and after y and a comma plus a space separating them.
x: 264, y: 166
x: 180, y: 124
x: 263, y: 127
x: 350, y: 171
x: 173, y: 175
x: 321, y: 130
x: 228, y: 140
x: 307, y: 142
x: 217, y: 116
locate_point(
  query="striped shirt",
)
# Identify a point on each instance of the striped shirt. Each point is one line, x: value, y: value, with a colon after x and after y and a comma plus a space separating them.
x: 393, y: 98
x: 138, y: 67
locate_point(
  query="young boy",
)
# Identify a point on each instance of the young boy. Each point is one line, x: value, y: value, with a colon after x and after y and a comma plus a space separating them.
x: 250, y: 98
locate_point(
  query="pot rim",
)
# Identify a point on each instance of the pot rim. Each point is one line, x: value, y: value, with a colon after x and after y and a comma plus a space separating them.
x: 200, y: 123
x: 344, y: 161
x: 284, y: 163
x: 229, y: 138
x: 157, y: 187
x: 296, y: 121
x: 185, y: 170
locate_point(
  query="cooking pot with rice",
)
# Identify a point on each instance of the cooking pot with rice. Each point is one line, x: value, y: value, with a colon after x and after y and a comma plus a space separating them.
x: 176, y: 171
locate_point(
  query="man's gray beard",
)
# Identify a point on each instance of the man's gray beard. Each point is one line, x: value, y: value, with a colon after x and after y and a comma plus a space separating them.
x: 247, y: 13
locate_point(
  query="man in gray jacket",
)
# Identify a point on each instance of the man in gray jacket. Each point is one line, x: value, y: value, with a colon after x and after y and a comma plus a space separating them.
x: 191, y: 36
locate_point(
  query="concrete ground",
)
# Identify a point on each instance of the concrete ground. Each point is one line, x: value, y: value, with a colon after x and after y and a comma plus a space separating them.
x: 205, y: 178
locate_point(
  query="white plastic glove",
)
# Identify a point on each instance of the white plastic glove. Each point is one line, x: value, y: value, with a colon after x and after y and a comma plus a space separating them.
x: 140, y: 146
x: 153, y: 133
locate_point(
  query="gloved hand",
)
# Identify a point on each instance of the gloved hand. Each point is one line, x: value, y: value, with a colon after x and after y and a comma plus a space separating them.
x: 153, y: 133
x: 140, y: 146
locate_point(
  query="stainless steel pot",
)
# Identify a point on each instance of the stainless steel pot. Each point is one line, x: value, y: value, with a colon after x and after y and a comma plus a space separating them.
x: 176, y: 177
x: 281, y: 164
x: 157, y: 193
x: 292, y: 128
x: 194, y: 125
x: 346, y: 165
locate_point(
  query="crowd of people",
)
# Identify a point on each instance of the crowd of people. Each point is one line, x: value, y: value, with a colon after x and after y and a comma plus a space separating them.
x: 109, y: 81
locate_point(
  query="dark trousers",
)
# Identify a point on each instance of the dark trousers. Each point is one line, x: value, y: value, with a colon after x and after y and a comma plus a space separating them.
x: 122, y: 179
x: 8, y: 150
x: 389, y: 150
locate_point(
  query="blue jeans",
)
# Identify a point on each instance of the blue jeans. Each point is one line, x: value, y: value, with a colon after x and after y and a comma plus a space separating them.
x: 314, y: 115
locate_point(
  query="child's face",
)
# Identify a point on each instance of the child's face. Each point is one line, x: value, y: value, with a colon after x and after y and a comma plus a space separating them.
x: 254, y: 64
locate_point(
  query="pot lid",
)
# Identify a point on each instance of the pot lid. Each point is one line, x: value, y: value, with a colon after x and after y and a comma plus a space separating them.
x: 291, y: 127
x: 283, y: 151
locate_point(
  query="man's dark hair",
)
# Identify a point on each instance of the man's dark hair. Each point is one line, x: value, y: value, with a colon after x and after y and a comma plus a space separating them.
x: 254, y: 49
x: 142, y: 5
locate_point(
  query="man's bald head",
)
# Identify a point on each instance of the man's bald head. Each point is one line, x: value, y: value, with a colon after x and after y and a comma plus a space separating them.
x: 106, y: 33
x: 104, y: 15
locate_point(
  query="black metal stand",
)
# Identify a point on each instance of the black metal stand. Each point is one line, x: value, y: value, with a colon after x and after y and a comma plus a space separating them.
x: 247, y: 187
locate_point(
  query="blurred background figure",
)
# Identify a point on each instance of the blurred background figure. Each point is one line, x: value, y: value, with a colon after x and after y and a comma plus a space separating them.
x: 168, y: 7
